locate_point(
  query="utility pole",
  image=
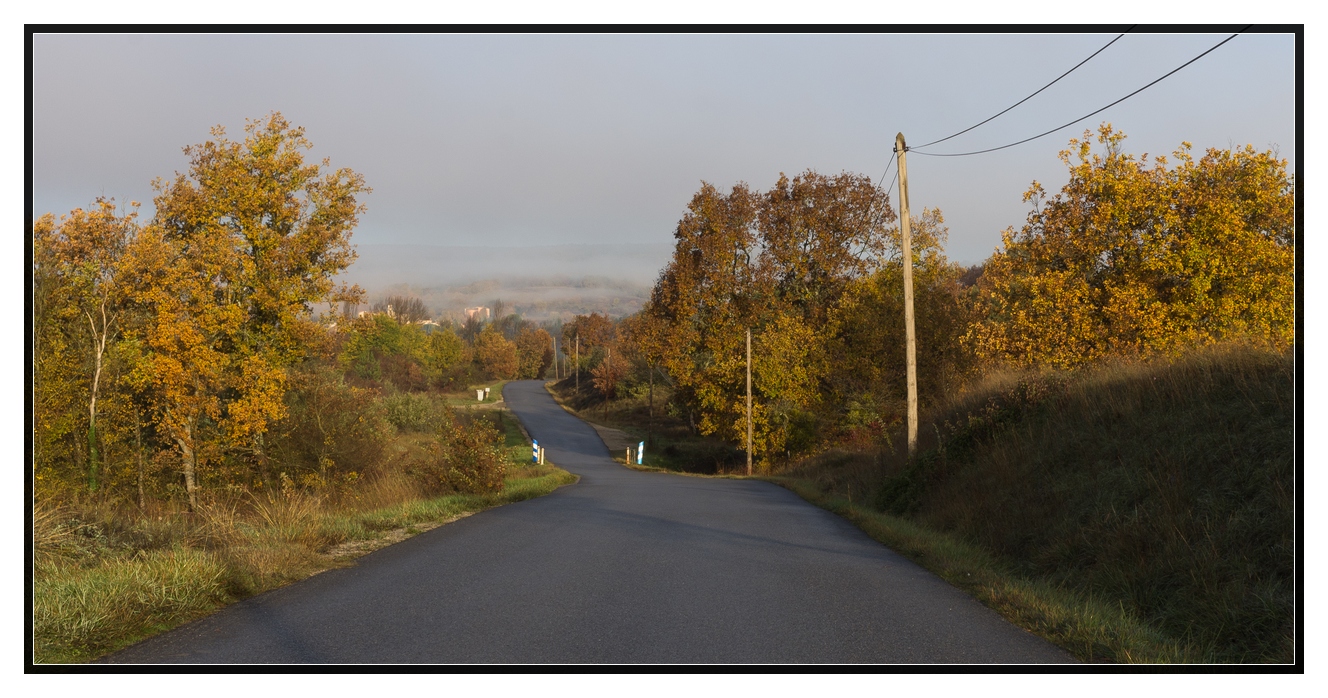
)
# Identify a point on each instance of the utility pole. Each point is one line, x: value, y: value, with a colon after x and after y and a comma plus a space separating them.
x: 578, y: 363
x: 749, y: 401
x: 555, y: 358
x: 911, y: 342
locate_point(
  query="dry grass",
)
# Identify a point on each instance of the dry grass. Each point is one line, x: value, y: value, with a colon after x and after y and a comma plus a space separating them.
x: 107, y: 576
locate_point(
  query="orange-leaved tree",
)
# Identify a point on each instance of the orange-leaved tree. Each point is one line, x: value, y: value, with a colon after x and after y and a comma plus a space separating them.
x: 775, y: 263
x: 645, y: 340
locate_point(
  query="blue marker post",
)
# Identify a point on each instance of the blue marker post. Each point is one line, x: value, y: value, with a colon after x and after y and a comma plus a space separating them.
x: 640, y: 452
x: 534, y: 451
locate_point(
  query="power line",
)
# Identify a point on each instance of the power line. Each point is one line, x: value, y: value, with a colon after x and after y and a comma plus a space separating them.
x: 1122, y: 99
x: 1053, y: 82
x: 887, y: 168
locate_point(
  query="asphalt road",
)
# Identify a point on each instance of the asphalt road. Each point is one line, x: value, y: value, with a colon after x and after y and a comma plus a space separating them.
x: 622, y: 567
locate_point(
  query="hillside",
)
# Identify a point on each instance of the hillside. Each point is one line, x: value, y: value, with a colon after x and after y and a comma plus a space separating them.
x: 1165, y: 489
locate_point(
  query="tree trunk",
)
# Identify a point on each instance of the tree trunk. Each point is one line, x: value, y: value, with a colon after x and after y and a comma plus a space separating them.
x: 99, y: 346
x: 92, y: 453
x: 264, y: 473
x: 92, y: 426
x: 187, y: 458
x: 138, y: 439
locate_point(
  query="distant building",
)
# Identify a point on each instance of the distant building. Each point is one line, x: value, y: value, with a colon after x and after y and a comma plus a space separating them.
x: 429, y: 326
x: 479, y: 311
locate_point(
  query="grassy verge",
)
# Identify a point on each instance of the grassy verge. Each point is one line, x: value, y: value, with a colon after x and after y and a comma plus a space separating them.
x: 466, y: 398
x: 1093, y: 629
x: 1137, y: 512
x: 104, y: 580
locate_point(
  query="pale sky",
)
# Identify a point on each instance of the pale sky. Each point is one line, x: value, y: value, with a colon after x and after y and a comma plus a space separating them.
x: 529, y: 140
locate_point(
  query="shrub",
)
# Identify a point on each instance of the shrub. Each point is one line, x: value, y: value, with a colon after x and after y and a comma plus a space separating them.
x: 331, y: 430
x: 465, y: 457
x: 411, y: 412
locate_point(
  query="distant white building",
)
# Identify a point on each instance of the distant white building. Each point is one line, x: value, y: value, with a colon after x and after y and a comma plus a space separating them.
x: 478, y: 311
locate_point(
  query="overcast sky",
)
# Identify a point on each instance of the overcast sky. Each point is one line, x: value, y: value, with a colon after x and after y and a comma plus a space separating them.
x: 527, y: 140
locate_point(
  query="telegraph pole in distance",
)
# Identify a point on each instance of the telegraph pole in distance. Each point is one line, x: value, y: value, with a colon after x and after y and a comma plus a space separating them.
x: 749, y: 401
x: 578, y: 363
x: 911, y: 342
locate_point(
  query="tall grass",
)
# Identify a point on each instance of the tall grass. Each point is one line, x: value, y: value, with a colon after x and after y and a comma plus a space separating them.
x: 108, y: 575
x: 1164, y: 489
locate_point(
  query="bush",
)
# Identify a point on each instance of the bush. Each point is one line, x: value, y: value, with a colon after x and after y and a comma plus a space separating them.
x: 331, y: 431
x: 410, y: 412
x: 465, y: 457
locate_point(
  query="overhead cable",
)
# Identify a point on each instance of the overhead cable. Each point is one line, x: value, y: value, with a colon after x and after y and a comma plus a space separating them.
x: 1067, y: 125
x: 1012, y: 106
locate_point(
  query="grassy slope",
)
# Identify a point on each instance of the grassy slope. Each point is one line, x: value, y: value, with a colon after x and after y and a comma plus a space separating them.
x: 1130, y: 513
x: 103, y: 585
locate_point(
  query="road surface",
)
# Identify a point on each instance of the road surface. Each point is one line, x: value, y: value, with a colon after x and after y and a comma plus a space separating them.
x: 622, y: 567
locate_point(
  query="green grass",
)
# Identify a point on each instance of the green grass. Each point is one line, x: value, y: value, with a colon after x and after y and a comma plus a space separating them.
x: 466, y: 398
x: 104, y: 580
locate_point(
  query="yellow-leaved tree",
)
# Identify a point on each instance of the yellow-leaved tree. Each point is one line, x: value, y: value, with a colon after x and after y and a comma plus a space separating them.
x: 1133, y: 259
x: 238, y: 253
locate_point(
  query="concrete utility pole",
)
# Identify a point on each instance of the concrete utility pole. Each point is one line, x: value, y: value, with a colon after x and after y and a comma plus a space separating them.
x: 911, y: 342
x: 749, y: 401
x: 578, y: 363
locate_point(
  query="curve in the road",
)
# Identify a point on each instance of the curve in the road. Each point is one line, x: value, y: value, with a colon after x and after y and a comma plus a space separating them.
x: 623, y: 567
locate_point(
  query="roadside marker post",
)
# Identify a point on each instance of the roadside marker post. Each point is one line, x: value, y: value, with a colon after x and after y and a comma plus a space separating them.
x: 640, y: 452
x: 534, y: 451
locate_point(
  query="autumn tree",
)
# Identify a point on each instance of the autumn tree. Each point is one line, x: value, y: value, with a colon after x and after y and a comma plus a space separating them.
x: 239, y: 251
x: 865, y: 332
x: 82, y: 258
x: 496, y: 356
x: 1133, y: 259
x: 645, y: 340
x: 446, y: 350
x: 534, y: 348
x: 607, y: 375
x: 594, y: 330
x: 775, y: 263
